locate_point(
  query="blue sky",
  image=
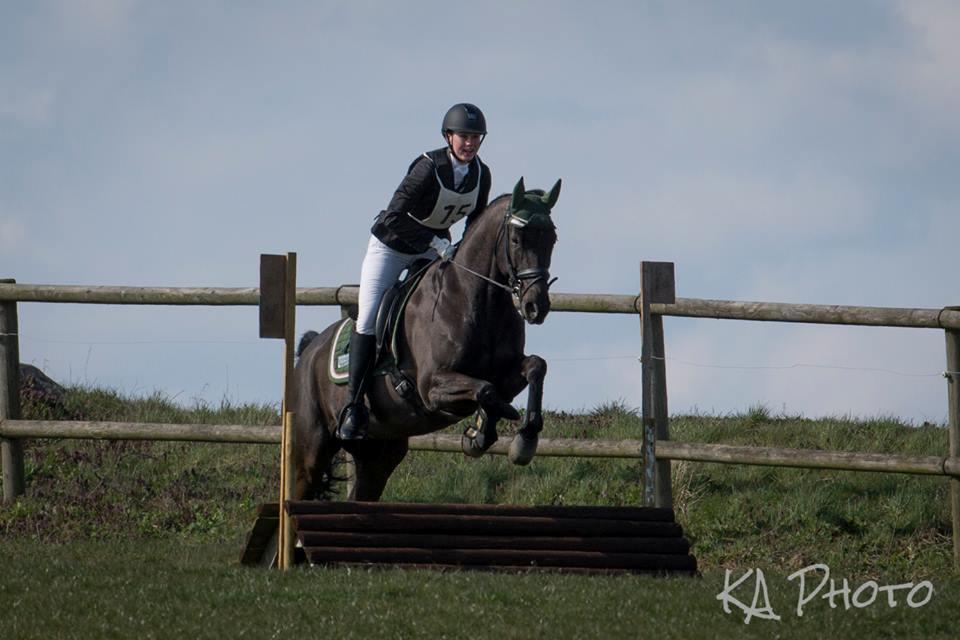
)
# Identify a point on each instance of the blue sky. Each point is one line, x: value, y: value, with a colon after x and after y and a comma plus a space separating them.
x: 774, y: 151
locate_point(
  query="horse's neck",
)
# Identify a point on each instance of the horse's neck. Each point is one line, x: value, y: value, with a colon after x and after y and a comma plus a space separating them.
x: 479, y: 253
x: 479, y: 249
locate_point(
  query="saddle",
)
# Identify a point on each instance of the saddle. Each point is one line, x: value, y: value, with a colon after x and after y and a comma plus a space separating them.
x: 390, y: 313
x: 389, y: 322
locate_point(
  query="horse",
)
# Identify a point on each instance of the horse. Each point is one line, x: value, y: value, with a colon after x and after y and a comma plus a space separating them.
x: 460, y: 348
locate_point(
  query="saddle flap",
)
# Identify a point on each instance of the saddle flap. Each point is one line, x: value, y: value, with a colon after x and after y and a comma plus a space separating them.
x: 389, y: 317
x: 394, y: 300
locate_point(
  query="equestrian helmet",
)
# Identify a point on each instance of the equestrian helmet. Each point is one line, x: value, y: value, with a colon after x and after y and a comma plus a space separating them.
x: 464, y: 118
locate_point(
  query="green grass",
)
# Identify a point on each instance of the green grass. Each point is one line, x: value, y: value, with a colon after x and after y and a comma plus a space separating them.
x: 168, y: 589
x: 124, y: 539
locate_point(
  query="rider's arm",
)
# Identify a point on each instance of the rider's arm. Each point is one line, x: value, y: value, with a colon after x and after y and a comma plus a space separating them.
x: 408, y: 194
x: 393, y: 226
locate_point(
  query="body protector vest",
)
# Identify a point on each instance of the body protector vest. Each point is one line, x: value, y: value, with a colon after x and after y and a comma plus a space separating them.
x: 451, y: 205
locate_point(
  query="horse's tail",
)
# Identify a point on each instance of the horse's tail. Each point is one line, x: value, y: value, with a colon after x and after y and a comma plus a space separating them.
x: 305, y: 341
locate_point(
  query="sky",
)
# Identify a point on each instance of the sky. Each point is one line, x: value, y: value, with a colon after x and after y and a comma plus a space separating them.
x: 774, y: 151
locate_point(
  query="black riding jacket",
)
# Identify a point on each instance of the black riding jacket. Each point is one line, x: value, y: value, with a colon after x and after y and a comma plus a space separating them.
x: 417, y: 195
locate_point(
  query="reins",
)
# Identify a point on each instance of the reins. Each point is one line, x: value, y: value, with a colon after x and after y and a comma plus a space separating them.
x: 482, y: 277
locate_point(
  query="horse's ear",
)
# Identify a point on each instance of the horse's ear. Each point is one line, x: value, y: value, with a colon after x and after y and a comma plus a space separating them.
x: 516, y: 203
x: 550, y: 199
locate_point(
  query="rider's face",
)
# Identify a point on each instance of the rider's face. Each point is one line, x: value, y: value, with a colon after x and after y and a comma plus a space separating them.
x: 464, y: 145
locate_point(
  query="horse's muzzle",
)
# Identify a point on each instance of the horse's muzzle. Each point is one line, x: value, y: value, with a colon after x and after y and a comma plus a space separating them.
x: 536, y: 309
x: 531, y: 313
x: 534, y: 296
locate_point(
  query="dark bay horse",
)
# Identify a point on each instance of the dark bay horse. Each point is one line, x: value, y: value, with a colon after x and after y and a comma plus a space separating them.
x: 460, y: 345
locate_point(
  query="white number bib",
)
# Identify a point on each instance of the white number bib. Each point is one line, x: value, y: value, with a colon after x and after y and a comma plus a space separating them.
x: 451, y: 206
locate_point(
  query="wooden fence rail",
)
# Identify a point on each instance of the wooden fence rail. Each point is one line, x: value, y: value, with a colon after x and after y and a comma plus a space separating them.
x: 945, y: 318
x: 549, y: 447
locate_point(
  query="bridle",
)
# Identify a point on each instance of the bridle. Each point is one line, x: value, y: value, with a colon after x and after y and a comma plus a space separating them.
x: 518, y: 282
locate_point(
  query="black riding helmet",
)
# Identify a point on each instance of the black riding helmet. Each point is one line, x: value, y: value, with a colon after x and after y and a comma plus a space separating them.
x: 464, y: 118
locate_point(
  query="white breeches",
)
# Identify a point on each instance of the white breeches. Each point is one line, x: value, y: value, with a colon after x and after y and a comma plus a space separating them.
x: 381, y: 268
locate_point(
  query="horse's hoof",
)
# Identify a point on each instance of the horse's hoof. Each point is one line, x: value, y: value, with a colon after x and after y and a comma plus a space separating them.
x: 475, y: 442
x: 523, y: 448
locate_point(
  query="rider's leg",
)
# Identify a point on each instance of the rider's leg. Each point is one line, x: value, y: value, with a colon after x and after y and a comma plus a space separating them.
x: 354, y: 417
x: 381, y: 267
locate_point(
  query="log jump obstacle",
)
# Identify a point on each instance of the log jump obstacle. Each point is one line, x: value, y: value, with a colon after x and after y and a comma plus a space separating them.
x: 474, y: 536
x: 947, y: 319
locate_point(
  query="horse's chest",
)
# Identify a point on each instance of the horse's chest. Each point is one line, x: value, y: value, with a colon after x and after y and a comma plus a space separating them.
x: 498, y: 352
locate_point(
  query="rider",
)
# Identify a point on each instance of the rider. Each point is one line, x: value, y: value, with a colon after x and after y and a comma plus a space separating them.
x: 441, y: 187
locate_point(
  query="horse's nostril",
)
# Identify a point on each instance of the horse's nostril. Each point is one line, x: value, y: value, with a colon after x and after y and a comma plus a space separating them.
x: 530, y: 310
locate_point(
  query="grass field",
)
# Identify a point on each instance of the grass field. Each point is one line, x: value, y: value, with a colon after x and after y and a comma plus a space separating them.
x: 137, y: 539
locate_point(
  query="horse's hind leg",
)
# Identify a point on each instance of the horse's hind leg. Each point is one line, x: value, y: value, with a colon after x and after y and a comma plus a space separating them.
x: 316, y: 449
x: 374, y: 461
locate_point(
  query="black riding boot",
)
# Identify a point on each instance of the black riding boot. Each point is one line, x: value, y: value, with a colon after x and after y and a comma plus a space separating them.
x: 354, y: 416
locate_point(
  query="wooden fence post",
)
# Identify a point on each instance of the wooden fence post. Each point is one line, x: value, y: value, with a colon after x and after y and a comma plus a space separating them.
x: 278, y: 305
x: 664, y: 483
x: 11, y: 449
x: 953, y: 397
x: 288, y: 444
x: 350, y: 467
x: 656, y: 287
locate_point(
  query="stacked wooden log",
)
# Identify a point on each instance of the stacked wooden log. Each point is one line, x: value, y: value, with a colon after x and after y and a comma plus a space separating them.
x: 492, y: 537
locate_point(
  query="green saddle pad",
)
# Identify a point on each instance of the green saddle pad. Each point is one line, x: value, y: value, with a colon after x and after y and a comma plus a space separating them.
x: 339, y: 368
x: 340, y: 354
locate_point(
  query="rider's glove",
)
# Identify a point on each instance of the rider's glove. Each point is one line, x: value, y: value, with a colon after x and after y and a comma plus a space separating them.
x: 443, y: 247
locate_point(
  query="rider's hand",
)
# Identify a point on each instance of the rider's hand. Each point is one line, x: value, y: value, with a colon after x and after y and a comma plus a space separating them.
x: 443, y: 247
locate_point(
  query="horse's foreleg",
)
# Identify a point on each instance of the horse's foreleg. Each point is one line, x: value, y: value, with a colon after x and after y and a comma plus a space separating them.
x: 459, y: 394
x: 533, y: 369
x: 374, y: 461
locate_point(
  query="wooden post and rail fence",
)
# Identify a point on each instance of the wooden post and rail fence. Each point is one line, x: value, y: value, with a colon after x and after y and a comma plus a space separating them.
x: 655, y: 448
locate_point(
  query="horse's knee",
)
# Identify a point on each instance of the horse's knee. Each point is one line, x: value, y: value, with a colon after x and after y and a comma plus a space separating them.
x: 534, y: 368
x: 487, y: 395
